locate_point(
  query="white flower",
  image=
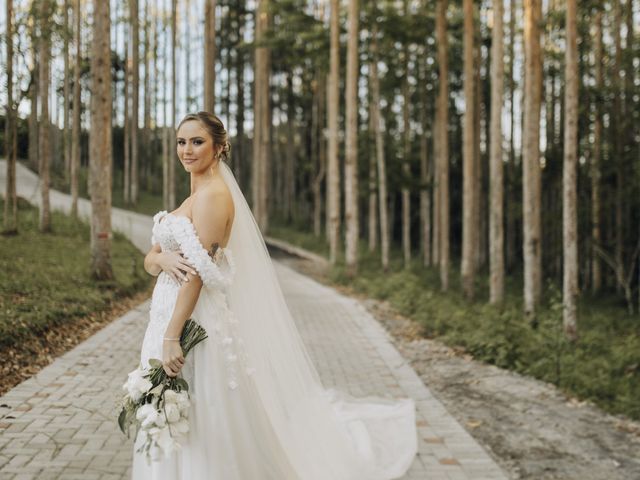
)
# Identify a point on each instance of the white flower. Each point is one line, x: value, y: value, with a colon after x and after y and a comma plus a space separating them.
x: 147, y: 414
x: 170, y: 396
x: 136, y: 384
x: 227, y: 340
x: 182, y: 426
x: 173, y: 412
x: 232, y: 384
x: 231, y: 357
x: 183, y: 403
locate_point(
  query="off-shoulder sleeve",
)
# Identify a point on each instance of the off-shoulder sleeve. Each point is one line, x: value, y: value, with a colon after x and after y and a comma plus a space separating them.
x: 215, y: 272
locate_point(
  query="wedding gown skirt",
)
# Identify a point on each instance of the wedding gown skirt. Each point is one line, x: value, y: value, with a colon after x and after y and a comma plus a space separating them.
x: 236, y: 431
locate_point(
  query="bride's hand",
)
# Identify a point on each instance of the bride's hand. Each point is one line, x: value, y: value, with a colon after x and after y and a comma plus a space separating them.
x: 175, y: 265
x: 172, y: 357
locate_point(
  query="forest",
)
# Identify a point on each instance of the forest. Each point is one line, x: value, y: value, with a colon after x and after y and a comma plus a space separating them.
x: 485, y: 150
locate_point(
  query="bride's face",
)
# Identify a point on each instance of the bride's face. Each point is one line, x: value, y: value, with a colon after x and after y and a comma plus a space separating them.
x: 195, y: 147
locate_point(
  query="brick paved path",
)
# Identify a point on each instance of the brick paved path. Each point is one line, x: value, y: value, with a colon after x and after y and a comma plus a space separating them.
x: 60, y: 424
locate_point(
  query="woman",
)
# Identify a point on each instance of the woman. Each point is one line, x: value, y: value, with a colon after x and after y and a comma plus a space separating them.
x: 258, y: 408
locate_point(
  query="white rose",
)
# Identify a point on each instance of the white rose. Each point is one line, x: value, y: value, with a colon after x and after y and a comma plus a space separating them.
x: 182, y: 426
x: 170, y: 396
x: 173, y: 412
x: 147, y: 414
x: 136, y: 384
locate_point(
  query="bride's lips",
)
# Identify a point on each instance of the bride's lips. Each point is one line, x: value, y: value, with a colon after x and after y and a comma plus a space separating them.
x: 189, y: 160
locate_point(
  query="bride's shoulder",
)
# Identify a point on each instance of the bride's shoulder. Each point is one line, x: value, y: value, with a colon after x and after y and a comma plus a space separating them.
x: 214, y: 199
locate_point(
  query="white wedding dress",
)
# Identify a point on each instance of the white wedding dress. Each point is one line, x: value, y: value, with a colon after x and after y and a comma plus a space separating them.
x: 259, y: 411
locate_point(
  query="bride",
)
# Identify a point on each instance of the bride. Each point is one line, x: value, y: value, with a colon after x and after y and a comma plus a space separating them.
x: 258, y: 408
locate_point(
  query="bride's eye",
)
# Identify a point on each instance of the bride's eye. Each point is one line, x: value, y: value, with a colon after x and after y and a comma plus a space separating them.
x: 198, y: 142
x: 180, y: 142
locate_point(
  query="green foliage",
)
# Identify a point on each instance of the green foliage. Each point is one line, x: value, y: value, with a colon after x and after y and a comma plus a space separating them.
x: 46, y: 279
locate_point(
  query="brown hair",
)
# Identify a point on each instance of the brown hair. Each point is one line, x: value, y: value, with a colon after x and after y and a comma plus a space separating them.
x: 214, y: 126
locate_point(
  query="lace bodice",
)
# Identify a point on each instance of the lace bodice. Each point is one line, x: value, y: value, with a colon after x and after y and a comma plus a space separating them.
x: 176, y: 232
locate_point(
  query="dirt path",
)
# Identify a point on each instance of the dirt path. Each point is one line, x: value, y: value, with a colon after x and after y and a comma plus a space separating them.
x: 531, y: 428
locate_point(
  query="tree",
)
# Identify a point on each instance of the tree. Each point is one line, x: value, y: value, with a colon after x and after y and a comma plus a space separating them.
x: 406, y: 167
x: 75, y: 133
x: 100, y: 143
x: 442, y: 141
x: 262, y: 114
x: 209, y: 55
x: 44, y: 130
x: 10, y: 223
x: 171, y: 125
x: 531, y: 157
x: 66, y: 92
x: 425, y: 172
x: 496, y: 218
x: 351, y: 144
x: 469, y: 226
x: 569, y: 177
x: 333, y: 105
x: 135, y: 94
x: 380, y: 162
x: 596, y: 266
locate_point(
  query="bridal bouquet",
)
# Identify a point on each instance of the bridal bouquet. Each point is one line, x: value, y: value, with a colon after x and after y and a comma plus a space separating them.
x: 157, y: 404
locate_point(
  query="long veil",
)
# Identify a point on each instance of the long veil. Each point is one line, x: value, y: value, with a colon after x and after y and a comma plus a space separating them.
x: 326, y: 433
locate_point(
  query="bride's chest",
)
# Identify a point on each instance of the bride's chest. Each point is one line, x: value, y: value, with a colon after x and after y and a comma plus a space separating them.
x: 165, y: 236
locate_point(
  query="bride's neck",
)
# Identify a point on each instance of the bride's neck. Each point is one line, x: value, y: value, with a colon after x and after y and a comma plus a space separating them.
x: 201, y: 179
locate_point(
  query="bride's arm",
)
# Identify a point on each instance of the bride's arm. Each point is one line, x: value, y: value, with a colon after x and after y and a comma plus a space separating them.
x: 211, y: 212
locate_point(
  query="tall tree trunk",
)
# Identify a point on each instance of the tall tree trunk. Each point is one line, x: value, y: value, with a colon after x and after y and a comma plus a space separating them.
x: 289, y: 161
x: 44, y: 130
x: 372, y: 211
x: 239, y: 156
x: 126, y: 183
x: 135, y: 86
x: 66, y: 92
x: 406, y: 167
x: 33, y: 114
x: 442, y: 161
x: 10, y: 221
x: 75, y: 134
x: 172, y: 121
x: 469, y: 227
x: 496, y: 217
x: 261, y: 137
x: 531, y: 156
x: 351, y: 144
x: 165, y: 116
x: 318, y: 145
x: 569, y: 177
x: 510, y: 211
x: 209, y: 55
x: 146, y: 137
x: 596, y: 240
x: 380, y: 161
x: 333, y: 167
x: 425, y: 171
x: 618, y: 130
x: 100, y: 144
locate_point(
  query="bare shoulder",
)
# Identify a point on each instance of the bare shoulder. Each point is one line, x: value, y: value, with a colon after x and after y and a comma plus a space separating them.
x: 214, y: 201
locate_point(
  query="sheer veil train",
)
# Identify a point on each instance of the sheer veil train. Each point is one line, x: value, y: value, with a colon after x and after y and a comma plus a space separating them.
x: 327, y: 434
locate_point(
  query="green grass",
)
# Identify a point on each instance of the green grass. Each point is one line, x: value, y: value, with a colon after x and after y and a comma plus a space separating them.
x: 46, y: 281
x: 603, y: 366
